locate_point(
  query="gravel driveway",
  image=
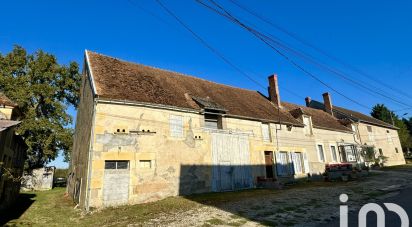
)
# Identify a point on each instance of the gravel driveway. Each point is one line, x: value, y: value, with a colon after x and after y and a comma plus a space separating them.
x: 302, y: 205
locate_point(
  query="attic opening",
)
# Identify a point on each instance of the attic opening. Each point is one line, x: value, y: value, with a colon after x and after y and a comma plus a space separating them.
x: 213, y: 120
x: 213, y: 112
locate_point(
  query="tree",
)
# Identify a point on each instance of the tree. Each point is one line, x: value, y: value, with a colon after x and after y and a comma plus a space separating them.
x: 43, y: 89
x: 381, y: 112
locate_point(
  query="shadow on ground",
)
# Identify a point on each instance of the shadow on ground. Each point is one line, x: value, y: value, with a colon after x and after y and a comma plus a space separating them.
x: 222, y: 186
x: 23, y: 202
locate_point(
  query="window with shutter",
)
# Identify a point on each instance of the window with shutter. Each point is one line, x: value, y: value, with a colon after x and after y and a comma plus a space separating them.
x: 176, y: 126
x: 308, y: 125
x: 266, y: 132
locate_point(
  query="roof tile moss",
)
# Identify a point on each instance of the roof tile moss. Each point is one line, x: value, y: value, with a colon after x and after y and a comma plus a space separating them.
x: 121, y: 80
x: 320, y: 119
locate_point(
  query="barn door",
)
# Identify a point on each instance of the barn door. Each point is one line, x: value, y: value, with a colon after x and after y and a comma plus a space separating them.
x: 231, y: 166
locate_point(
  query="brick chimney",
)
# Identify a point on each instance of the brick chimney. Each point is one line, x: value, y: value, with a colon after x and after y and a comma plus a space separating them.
x: 307, y: 101
x: 274, y: 90
x: 327, y: 101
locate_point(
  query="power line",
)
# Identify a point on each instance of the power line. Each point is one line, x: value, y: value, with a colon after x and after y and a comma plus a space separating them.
x: 216, y: 52
x: 276, y: 41
x: 263, y: 38
x: 294, y: 36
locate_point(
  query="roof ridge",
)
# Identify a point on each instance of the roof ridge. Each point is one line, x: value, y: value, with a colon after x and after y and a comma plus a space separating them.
x: 170, y: 71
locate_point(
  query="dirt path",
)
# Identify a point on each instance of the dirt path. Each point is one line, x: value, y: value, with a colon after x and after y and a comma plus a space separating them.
x: 301, y: 206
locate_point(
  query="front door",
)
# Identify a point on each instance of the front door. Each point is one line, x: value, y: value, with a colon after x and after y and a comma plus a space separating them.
x: 269, y: 164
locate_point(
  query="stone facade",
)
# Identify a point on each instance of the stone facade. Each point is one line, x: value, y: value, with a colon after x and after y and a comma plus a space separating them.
x: 128, y: 152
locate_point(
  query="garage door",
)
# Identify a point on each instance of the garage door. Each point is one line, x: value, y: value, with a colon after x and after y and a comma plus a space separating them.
x: 116, y: 183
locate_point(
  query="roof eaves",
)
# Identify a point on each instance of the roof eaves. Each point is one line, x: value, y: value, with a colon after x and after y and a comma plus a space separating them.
x: 90, y: 72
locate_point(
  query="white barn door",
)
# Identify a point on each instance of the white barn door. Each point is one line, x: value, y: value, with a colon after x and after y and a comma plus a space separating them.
x: 231, y: 162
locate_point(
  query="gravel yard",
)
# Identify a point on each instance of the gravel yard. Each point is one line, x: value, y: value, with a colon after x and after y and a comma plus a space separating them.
x: 303, y: 204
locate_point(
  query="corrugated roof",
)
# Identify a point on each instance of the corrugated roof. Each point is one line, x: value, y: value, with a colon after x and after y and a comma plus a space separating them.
x: 320, y: 119
x: 121, y: 80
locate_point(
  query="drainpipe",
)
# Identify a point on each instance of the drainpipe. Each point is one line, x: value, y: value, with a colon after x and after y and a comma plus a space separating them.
x: 89, y: 164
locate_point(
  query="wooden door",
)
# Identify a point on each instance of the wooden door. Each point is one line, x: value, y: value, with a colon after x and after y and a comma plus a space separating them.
x: 269, y: 164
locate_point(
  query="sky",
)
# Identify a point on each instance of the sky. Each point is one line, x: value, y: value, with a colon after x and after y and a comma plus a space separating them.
x: 373, y: 37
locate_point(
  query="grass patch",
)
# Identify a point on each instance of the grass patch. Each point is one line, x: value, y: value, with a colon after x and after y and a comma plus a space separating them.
x: 215, y: 221
x: 51, y: 207
x: 398, y: 167
x: 237, y: 223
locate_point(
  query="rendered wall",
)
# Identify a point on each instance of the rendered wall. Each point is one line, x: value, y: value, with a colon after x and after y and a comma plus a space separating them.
x: 381, y: 139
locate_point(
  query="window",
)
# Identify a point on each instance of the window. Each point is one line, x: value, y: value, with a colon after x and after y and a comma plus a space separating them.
x: 176, y: 126
x: 333, y: 152
x: 396, y: 150
x: 370, y: 133
x: 116, y: 164
x: 353, y: 128
x: 308, y: 125
x: 146, y: 164
x: 321, y: 154
x: 213, y: 121
x: 266, y: 132
x: 389, y: 137
x: 380, y: 152
x: 282, y: 168
x: 297, y: 160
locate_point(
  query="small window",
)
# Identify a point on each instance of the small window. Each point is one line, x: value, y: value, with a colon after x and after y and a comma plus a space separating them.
x: 266, y: 132
x: 122, y: 164
x: 146, y: 164
x: 176, y: 126
x: 116, y: 164
x: 308, y: 125
x: 321, y: 154
x: 380, y: 152
x: 110, y: 164
x: 396, y: 150
x: 213, y: 121
x: 369, y: 128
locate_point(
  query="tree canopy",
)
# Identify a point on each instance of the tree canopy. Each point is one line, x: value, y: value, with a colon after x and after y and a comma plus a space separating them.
x: 43, y: 90
x: 381, y: 112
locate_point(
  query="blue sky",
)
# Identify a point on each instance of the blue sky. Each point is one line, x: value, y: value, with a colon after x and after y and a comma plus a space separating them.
x: 373, y: 36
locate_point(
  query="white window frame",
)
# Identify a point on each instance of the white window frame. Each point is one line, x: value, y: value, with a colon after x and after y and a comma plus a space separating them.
x: 336, y: 152
x: 266, y: 136
x: 294, y: 156
x: 176, y: 125
x: 318, y: 152
x: 308, y: 129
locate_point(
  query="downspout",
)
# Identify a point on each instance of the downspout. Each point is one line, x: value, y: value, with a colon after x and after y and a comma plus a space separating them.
x: 89, y: 164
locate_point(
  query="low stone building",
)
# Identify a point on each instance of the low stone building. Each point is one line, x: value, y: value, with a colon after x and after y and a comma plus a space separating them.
x: 143, y: 134
x: 39, y: 179
x: 12, y: 153
x: 369, y: 132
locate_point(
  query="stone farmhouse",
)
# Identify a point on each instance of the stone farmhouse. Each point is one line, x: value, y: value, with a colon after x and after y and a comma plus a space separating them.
x: 143, y: 134
x: 12, y: 152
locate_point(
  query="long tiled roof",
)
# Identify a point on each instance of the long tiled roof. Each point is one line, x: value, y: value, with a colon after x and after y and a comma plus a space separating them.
x: 121, y: 80
x: 320, y: 119
x: 354, y: 115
